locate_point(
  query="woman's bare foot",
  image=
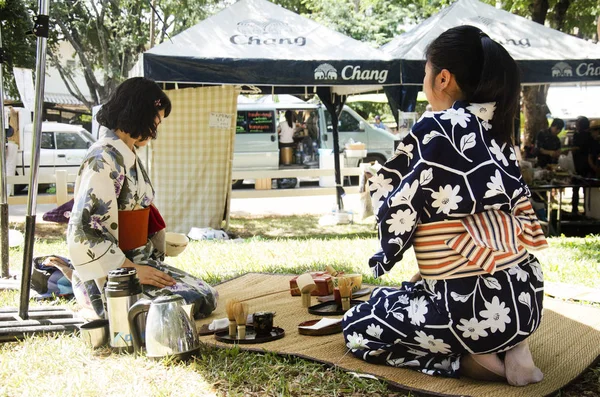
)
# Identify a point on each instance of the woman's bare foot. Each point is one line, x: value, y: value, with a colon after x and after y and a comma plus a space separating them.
x: 487, y: 367
x: 520, y: 368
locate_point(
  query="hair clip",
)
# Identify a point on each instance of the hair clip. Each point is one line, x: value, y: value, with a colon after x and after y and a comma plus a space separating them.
x: 157, y: 103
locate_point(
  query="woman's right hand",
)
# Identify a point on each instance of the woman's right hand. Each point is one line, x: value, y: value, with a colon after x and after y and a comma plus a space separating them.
x: 151, y: 276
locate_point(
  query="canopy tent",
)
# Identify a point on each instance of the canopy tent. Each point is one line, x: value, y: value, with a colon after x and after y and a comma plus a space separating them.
x: 570, y: 102
x: 544, y: 55
x: 285, y: 98
x: 256, y: 43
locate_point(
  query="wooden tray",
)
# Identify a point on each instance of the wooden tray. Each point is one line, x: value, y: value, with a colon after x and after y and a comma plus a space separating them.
x: 251, y: 337
x: 331, y: 308
x: 203, y: 330
x: 355, y: 294
x: 331, y: 329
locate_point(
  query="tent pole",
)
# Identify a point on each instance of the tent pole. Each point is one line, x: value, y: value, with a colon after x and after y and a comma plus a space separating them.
x: 41, y: 31
x: 3, y: 184
x: 334, y: 103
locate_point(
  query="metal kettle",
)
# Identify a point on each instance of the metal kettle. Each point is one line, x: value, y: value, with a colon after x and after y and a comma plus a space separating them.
x: 170, y: 327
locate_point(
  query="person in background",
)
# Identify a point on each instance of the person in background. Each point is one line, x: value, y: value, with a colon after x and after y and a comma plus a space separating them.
x: 111, y: 185
x: 581, y: 149
x: 312, y: 125
x: 378, y: 123
x: 548, y: 145
x: 594, y: 152
x: 286, y: 130
x: 452, y: 180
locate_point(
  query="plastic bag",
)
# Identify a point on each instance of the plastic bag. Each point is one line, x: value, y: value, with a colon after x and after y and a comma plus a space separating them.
x: 207, y: 233
x: 287, y: 183
x: 567, y: 163
x: 366, y: 205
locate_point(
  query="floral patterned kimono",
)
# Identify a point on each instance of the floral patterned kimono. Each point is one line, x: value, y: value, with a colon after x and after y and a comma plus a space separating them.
x: 112, y: 179
x: 457, y: 196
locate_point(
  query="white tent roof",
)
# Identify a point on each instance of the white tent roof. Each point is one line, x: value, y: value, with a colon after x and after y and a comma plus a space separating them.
x: 255, y: 42
x: 545, y: 55
x: 570, y: 102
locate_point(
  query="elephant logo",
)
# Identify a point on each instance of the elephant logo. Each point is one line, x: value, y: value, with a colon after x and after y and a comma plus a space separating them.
x: 325, y: 72
x: 270, y: 27
x: 562, y: 69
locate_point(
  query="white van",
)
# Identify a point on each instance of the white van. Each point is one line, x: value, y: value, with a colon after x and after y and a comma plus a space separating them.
x: 63, y: 147
x: 257, y: 141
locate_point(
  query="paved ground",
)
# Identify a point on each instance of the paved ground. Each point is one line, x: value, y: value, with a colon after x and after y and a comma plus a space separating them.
x: 317, y: 205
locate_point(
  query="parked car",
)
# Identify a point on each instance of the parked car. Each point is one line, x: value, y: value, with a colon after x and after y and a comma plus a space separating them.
x: 63, y: 147
x: 257, y: 142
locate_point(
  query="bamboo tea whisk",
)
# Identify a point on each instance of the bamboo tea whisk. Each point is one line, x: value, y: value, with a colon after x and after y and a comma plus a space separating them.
x: 241, y: 316
x: 345, y: 288
x: 229, y: 308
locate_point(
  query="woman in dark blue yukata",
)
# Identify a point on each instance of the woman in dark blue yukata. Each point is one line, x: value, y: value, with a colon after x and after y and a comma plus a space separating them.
x: 454, y: 192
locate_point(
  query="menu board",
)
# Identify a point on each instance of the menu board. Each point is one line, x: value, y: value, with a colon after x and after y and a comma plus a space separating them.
x: 241, y: 123
x: 261, y: 121
x: 256, y: 121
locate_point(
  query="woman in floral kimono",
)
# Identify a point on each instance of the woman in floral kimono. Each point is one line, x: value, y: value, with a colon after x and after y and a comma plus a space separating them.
x: 111, y: 183
x: 454, y: 191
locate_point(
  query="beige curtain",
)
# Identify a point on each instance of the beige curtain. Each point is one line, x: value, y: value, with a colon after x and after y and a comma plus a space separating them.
x: 190, y: 163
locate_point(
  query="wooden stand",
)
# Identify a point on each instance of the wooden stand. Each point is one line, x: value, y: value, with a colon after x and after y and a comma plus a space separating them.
x: 263, y: 184
x: 306, y: 299
x: 306, y: 285
x: 241, y: 332
x: 345, y: 303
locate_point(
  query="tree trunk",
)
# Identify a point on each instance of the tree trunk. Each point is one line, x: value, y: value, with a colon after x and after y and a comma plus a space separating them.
x: 535, y: 110
x: 534, y: 97
x: 539, y: 10
x: 560, y: 14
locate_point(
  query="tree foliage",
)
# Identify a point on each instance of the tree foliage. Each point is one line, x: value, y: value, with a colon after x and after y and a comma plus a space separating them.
x: 18, y: 46
x: 373, y: 21
x: 576, y: 17
x: 106, y: 35
x: 109, y: 35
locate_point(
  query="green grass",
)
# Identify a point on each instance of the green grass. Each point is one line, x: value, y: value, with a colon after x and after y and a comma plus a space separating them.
x: 268, y: 244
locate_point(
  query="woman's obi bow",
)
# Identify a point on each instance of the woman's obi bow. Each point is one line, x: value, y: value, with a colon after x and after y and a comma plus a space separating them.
x: 492, y: 233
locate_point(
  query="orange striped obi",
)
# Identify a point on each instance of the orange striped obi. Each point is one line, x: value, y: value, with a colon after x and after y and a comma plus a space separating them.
x: 477, y: 244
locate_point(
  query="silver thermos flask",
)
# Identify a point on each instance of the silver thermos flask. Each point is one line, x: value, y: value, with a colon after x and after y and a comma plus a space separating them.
x: 122, y: 290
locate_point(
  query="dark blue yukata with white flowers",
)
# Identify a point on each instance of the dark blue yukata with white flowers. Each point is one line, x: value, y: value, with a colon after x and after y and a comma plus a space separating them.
x: 456, y: 194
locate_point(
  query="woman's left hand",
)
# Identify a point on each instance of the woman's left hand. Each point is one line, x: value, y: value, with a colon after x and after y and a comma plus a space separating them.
x: 416, y: 277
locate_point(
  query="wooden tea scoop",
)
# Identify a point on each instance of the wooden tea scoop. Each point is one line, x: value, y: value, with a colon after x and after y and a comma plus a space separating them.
x: 331, y: 270
x: 306, y: 285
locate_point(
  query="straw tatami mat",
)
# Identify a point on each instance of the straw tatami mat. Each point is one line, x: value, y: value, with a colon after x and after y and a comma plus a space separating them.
x: 567, y: 342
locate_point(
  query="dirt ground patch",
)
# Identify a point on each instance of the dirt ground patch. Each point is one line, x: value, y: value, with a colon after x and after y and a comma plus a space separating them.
x: 44, y: 230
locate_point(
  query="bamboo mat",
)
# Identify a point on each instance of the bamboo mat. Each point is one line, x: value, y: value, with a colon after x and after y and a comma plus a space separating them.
x: 567, y: 342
